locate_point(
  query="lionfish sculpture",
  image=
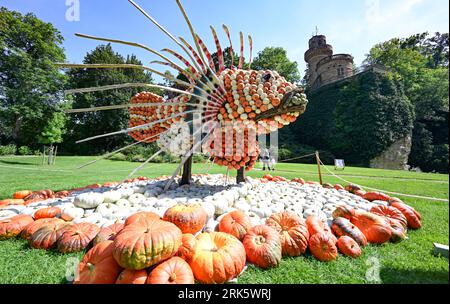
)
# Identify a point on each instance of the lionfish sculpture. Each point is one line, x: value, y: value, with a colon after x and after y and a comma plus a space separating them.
x: 233, y: 104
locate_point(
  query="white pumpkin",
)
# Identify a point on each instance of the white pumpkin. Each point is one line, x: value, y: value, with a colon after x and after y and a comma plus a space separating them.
x: 111, y: 196
x: 209, y: 209
x: 220, y: 203
x: 88, y: 200
x: 211, y: 226
x: 29, y: 211
x: 126, y: 192
x: 15, y: 208
x: 93, y: 219
x: 136, y: 198
x: 123, y: 203
x: 69, y: 214
x: 242, y: 205
x: 106, y: 209
x: 5, y: 214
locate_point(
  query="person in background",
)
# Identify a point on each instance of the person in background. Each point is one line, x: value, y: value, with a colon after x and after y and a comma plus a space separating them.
x: 265, y: 158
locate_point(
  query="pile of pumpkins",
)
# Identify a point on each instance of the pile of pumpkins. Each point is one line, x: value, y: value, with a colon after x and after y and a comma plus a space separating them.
x: 171, y: 249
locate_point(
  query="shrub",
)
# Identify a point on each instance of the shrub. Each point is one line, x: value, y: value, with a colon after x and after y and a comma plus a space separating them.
x: 8, y: 150
x: 24, y: 150
x: 118, y: 157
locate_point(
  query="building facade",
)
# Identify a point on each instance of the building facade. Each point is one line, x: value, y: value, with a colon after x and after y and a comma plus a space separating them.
x: 325, y: 67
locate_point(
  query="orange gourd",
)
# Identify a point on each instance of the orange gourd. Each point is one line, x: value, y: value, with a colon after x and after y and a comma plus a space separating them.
x: 263, y: 246
x: 236, y: 223
x: 391, y: 213
x: 293, y: 232
x: 48, y: 212
x: 375, y: 228
x: 108, y: 233
x: 185, y: 251
x: 412, y: 216
x: 132, y: 277
x: 323, y: 247
x: 348, y: 246
x: 77, y: 237
x: 190, y: 219
x: 173, y: 271
x: 13, y: 226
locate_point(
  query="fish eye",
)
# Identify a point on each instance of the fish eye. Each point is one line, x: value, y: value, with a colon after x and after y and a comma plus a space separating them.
x: 267, y: 77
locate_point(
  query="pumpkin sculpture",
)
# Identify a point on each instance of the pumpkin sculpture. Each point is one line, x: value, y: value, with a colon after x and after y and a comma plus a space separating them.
x: 343, y: 227
x: 48, y: 212
x: 139, y: 216
x: 348, y: 246
x: 217, y: 258
x: 236, y: 223
x: 145, y: 243
x: 77, y: 237
x: 323, y: 247
x: 346, y: 211
x: 293, y: 232
x: 412, y: 216
x: 173, y: 271
x: 108, y: 233
x: 46, y: 237
x: 263, y: 246
x: 12, y: 227
x: 98, y: 266
x: 34, y: 226
x: 375, y: 228
x: 376, y: 196
x: 132, y: 277
x: 186, y: 249
x: 390, y: 213
x: 190, y: 219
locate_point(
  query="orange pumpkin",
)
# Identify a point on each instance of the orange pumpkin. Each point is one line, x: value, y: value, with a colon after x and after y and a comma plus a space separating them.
x: 98, y: 266
x: 346, y: 211
x: 9, y: 202
x: 315, y: 225
x: 190, y: 219
x: 352, y: 188
x: 132, y: 277
x: 390, y: 213
x: 140, y: 216
x: 338, y: 187
x: 376, y: 196
x: 343, y: 227
x: 375, y: 228
x: 34, y: 226
x: 348, y: 246
x: 48, y: 212
x: 21, y: 194
x: 173, y: 271
x: 13, y: 226
x: 47, y: 236
x: 62, y: 194
x: 360, y: 193
x: 293, y: 232
x: 398, y: 231
x: 323, y: 247
x: 236, y: 223
x: 186, y: 249
x: 108, y: 233
x: 77, y: 237
x: 263, y: 246
x: 217, y: 258
x: 145, y: 243
x: 412, y: 216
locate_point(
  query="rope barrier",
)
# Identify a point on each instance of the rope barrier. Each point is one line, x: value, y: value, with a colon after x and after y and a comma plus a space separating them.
x: 385, y: 191
x: 304, y: 156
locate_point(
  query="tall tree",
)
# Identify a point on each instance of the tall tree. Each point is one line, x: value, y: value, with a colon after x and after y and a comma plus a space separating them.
x: 30, y: 85
x: 53, y: 133
x: 421, y: 63
x: 275, y: 58
x: 82, y: 125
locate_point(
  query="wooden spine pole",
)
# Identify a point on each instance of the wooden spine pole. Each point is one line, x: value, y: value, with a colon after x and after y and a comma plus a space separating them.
x: 187, y: 167
x: 240, y: 178
x: 318, y: 167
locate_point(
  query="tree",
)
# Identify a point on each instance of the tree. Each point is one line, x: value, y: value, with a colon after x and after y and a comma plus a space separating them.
x: 421, y: 63
x: 30, y: 84
x: 82, y: 125
x: 53, y: 133
x: 275, y: 59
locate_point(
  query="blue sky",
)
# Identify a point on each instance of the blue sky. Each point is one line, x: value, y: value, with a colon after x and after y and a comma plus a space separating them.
x: 351, y: 26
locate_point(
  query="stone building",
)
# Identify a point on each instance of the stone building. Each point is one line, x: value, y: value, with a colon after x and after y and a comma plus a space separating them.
x: 324, y: 67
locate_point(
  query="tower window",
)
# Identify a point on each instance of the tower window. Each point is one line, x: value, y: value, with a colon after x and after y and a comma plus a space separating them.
x: 340, y: 71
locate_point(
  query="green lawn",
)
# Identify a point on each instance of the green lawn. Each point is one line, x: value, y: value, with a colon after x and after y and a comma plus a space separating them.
x: 411, y: 261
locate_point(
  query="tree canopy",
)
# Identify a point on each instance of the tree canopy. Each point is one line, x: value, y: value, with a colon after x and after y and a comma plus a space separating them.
x: 30, y: 84
x: 82, y: 125
x: 275, y: 58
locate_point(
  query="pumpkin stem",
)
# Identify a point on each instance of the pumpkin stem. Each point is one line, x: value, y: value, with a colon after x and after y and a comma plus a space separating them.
x: 90, y: 266
x: 172, y: 277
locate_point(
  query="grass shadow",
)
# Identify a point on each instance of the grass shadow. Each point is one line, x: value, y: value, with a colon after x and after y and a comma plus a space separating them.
x: 402, y: 276
x: 10, y: 162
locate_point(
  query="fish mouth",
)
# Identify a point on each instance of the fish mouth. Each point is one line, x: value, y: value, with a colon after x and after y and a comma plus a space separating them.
x: 294, y: 101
